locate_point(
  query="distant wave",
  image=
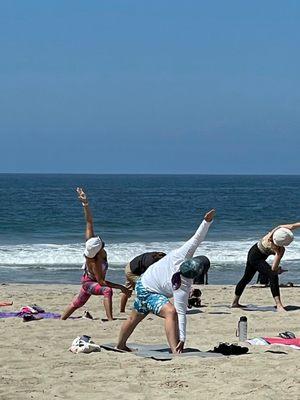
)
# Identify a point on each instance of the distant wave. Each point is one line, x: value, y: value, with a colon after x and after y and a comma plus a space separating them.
x: 70, y: 256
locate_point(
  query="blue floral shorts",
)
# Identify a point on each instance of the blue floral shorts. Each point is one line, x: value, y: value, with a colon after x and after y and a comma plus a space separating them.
x: 146, y: 301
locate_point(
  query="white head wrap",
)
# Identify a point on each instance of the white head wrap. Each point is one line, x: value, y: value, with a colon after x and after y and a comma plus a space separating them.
x: 283, y: 237
x: 93, y: 246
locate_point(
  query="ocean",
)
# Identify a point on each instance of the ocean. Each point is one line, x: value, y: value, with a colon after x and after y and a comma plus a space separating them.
x: 42, y: 223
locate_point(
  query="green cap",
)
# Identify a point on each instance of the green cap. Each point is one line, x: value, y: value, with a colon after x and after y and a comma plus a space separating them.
x: 192, y: 267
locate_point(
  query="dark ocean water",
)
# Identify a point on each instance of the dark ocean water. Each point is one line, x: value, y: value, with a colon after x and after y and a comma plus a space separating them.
x: 42, y: 223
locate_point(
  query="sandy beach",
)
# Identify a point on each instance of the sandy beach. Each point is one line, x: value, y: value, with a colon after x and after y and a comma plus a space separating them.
x: 36, y: 363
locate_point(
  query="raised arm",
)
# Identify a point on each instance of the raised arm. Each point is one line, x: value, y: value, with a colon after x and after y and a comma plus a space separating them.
x: 291, y: 227
x: 89, y: 230
x: 188, y: 249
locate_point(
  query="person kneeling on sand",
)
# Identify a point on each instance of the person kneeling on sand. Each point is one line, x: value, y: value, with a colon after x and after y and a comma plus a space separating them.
x: 172, y: 276
x: 93, y: 280
x: 135, y: 268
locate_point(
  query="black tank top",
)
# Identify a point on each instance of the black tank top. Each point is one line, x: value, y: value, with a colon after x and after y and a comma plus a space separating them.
x: 140, y: 263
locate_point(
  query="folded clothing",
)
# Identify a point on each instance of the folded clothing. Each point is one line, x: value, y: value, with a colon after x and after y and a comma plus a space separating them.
x: 30, y: 317
x: 230, y: 349
x: 32, y: 309
x: 28, y: 310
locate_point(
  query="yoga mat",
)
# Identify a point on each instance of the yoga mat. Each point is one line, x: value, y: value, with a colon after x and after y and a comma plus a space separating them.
x: 221, y: 305
x: 252, y: 307
x: 46, y: 315
x: 160, y: 351
x: 194, y: 311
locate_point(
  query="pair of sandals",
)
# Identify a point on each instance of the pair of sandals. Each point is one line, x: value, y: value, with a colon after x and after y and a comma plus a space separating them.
x: 287, y: 335
x: 230, y: 349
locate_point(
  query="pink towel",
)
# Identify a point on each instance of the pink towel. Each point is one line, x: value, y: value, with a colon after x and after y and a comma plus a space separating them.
x: 278, y: 340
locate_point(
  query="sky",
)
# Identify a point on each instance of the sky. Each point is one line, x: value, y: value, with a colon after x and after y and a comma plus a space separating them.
x: 162, y: 86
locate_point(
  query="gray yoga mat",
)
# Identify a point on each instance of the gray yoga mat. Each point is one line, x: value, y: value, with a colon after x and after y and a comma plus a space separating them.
x: 160, y: 351
x: 253, y: 307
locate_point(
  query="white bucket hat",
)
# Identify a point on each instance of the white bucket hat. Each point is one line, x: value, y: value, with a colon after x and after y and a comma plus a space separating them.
x: 283, y: 237
x: 93, y: 246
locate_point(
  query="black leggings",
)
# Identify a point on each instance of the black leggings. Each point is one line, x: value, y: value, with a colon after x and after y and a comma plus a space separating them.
x: 256, y: 261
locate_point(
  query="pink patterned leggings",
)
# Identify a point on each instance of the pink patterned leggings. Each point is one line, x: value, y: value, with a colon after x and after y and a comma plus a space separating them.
x: 88, y: 288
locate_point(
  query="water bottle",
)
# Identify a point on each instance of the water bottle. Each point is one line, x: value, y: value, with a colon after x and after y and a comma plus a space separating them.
x: 242, y: 329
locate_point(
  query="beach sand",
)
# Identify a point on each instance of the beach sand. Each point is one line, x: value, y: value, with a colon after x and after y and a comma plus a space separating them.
x: 36, y: 363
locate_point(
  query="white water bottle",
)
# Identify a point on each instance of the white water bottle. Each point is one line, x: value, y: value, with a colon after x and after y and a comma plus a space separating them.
x: 242, y: 329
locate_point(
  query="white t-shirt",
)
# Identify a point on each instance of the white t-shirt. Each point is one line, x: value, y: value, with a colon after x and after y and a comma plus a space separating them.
x: 157, y: 278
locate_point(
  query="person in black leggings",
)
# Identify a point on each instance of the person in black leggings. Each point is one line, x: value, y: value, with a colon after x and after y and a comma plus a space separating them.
x: 272, y: 244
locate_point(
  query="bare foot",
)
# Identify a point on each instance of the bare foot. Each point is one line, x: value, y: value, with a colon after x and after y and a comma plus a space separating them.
x: 281, y: 309
x: 6, y: 303
x: 237, y: 305
x: 124, y: 348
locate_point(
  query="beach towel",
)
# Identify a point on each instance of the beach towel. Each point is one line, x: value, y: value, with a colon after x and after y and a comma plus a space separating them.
x: 266, y: 341
x: 286, y: 342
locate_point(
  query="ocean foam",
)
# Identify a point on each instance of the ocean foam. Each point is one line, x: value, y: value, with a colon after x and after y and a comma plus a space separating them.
x: 68, y: 255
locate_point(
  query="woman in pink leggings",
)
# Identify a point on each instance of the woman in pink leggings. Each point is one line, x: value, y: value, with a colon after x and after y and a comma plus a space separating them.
x: 95, y: 267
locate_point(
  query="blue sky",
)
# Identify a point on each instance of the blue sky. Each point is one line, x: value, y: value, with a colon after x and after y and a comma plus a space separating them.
x: 150, y: 86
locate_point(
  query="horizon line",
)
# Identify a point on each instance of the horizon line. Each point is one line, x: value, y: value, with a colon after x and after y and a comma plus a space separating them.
x: 150, y: 173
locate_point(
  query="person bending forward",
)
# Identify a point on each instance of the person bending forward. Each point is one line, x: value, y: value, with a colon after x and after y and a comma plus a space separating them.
x: 172, y: 276
x: 135, y: 268
x: 271, y: 244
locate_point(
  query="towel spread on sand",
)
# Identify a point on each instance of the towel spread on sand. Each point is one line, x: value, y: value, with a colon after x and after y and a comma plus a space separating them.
x: 265, y: 341
x: 46, y: 315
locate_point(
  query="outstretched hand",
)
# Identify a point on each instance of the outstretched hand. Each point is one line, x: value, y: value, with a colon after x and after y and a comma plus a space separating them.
x: 209, y: 216
x: 82, y: 196
x: 179, y: 347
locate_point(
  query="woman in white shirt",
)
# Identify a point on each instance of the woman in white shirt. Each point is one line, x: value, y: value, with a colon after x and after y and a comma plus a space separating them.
x: 172, y: 276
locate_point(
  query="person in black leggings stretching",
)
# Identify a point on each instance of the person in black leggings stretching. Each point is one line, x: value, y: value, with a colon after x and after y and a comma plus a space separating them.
x: 272, y: 244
